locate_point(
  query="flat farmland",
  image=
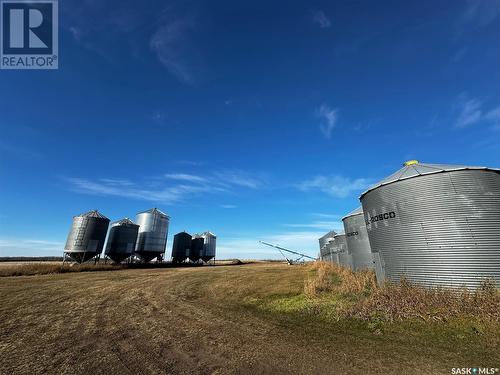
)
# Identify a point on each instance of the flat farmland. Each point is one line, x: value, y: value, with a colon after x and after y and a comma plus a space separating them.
x: 210, y: 320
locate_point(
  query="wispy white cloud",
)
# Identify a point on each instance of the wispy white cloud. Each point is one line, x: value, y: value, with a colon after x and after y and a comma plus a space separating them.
x: 471, y: 112
x: 222, y: 179
x: 169, y: 43
x: 320, y: 18
x: 336, y: 186
x: 117, y: 182
x: 30, y: 247
x: 185, y: 177
x: 172, y: 188
x: 76, y: 32
x: 326, y: 216
x: 493, y: 115
x: 168, y: 195
x: 228, y: 206
x: 326, y: 225
x: 459, y: 55
x: 480, y: 12
x: 191, y: 163
x: 328, y: 117
x: 238, y: 178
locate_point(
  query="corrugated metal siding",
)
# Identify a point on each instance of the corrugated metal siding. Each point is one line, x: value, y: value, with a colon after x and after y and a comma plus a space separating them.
x: 345, y: 260
x: 87, y: 234
x: 326, y: 238
x: 196, y: 249
x: 358, y: 242
x: 332, y: 258
x: 325, y: 250
x: 379, y: 268
x: 344, y: 257
x: 121, y: 240
x: 153, y: 231
x: 438, y: 230
x: 181, y: 246
x: 209, y: 245
x: 330, y: 252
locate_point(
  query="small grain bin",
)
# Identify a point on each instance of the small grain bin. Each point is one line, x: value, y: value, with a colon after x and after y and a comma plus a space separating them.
x: 121, y: 240
x: 181, y: 247
x: 357, y: 240
x: 209, y: 245
x: 333, y: 251
x: 152, y: 236
x: 196, y: 249
x: 345, y: 258
x: 86, y: 237
x: 330, y: 252
x: 323, y: 241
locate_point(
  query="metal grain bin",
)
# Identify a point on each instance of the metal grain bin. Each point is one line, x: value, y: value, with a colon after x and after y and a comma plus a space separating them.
x: 345, y: 258
x: 209, y: 245
x: 357, y: 240
x: 153, y: 232
x: 323, y: 241
x: 331, y: 251
x: 325, y: 251
x: 121, y: 240
x: 436, y: 225
x: 86, y: 237
x: 181, y: 246
x: 196, y: 249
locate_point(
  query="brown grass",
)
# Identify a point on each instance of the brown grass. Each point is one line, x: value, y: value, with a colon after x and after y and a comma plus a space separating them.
x: 406, y: 301
x: 326, y: 277
x: 215, y: 320
x: 30, y: 269
x: 398, y: 302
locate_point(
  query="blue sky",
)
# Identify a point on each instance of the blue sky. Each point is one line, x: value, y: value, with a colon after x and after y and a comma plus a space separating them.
x: 255, y: 120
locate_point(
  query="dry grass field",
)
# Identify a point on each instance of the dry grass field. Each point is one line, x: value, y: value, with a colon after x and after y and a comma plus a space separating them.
x: 244, y: 319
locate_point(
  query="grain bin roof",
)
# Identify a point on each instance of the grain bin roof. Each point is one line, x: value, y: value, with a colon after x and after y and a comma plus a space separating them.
x: 332, y: 233
x: 153, y: 211
x: 94, y: 213
x: 357, y: 211
x: 208, y: 233
x: 413, y: 168
x: 124, y: 221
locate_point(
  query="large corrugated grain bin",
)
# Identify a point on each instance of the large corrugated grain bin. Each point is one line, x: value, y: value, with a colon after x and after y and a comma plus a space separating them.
x: 436, y: 224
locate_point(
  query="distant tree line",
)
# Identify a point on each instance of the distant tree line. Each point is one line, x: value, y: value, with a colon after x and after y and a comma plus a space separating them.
x: 30, y: 259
